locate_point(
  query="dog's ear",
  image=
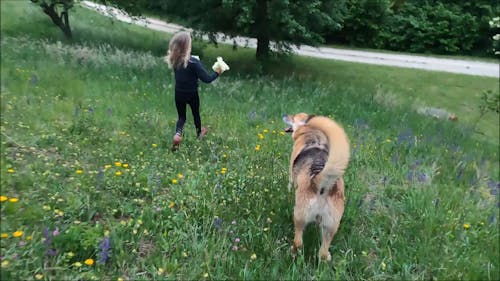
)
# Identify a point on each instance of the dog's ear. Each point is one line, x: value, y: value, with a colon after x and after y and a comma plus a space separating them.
x: 309, y: 117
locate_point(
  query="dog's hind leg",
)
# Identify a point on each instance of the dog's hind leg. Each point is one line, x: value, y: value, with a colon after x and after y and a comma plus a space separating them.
x: 327, y: 234
x: 300, y: 224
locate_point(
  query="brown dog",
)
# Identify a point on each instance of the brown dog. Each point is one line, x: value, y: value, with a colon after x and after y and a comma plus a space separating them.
x: 319, y: 158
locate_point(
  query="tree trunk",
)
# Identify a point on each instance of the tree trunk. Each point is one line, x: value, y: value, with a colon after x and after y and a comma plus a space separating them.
x: 262, y: 26
x: 61, y: 21
x: 262, y: 48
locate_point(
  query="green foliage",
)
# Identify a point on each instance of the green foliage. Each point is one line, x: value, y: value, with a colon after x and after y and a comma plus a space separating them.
x: 430, y: 26
x: 282, y: 22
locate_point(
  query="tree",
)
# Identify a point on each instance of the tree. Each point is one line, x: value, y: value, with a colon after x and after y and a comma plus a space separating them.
x: 58, y: 10
x: 274, y: 23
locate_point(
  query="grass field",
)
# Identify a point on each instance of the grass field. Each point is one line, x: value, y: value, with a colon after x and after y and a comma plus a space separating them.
x: 91, y: 191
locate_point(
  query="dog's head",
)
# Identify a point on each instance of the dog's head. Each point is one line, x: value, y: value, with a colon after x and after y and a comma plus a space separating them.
x: 295, y: 121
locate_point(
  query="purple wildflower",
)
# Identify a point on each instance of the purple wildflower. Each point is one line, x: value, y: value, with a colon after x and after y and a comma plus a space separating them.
x: 423, y: 177
x: 48, y: 242
x: 406, y: 136
x: 105, y: 247
x: 235, y: 248
x: 217, y: 223
x: 55, y: 232
x: 494, y: 187
x: 51, y: 252
x: 237, y: 240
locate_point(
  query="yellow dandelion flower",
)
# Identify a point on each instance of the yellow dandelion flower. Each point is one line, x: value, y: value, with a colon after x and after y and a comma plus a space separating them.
x: 154, y: 145
x: 70, y: 254
x: 3, y: 198
x: 174, y: 181
x: 266, y: 131
x: 5, y: 263
x: 180, y: 176
x: 4, y: 235
x: 119, y: 279
x: 257, y: 147
x: 79, y: 171
x: 282, y: 133
x: 106, y: 233
x: 28, y: 238
x: 77, y: 264
x: 18, y: 233
x: 118, y: 173
x: 261, y: 136
x: 107, y: 166
x: 466, y: 226
x: 118, y: 164
x: 171, y: 204
x: 184, y: 254
x: 125, y: 165
x: 253, y: 256
x: 13, y: 200
x: 89, y: 262
x: 39, y: 276
x: 161, y: 271
x: 10, y: 170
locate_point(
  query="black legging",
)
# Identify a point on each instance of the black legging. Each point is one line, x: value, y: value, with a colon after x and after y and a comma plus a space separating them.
x: 181, y: 100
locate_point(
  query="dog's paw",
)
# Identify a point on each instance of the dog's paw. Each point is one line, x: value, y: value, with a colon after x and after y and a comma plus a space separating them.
x: 325, y: 257
x: 295, y: 251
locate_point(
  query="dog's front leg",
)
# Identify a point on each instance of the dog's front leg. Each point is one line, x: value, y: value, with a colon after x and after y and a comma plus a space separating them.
x: 290, y: 178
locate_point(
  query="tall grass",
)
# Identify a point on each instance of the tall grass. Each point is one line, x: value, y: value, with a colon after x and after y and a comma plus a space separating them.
x: 87, y: 174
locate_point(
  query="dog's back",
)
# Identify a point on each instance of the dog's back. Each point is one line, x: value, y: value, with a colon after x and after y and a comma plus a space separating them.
x: 311, y: 149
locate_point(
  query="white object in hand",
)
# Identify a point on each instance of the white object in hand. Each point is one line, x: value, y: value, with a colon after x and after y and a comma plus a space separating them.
x: 220, y: 65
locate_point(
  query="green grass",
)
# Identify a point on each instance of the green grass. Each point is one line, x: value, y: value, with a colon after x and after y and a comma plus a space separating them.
x: 421, y: 200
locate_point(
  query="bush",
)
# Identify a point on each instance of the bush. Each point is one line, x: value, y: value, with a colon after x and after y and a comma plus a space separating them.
x: 420, y: 26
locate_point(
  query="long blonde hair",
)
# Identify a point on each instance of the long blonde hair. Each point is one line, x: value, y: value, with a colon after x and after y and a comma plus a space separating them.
x: 179, y: 50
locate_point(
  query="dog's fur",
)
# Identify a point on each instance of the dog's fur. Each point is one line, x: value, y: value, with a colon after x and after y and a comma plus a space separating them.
x: 319, y: 158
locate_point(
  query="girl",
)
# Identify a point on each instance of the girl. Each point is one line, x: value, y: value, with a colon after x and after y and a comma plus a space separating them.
x: 187, y: 69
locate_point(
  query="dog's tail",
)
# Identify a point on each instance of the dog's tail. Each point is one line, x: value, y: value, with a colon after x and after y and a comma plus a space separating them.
x: 338, y: 155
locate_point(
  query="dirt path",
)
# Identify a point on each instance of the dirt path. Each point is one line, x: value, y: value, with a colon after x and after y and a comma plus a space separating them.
x: 469, y: 67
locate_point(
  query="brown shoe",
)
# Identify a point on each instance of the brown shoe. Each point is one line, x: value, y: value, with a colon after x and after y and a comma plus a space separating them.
x: 203, y: 132
x: 176, y: 142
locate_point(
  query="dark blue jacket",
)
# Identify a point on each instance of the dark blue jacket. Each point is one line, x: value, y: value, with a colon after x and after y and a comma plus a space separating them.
x: 186, y: 79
